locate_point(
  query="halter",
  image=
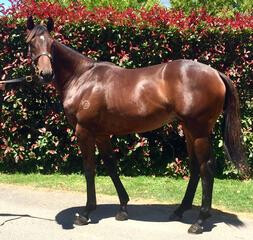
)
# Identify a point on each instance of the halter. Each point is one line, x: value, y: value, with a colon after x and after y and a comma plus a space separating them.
x: 42, y: 54
x: 37, y: 57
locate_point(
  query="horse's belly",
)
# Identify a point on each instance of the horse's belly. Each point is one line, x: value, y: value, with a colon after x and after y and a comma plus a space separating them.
x: 120, y: 125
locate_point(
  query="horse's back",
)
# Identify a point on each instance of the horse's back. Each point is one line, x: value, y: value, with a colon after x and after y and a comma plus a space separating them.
x: 184, y: 86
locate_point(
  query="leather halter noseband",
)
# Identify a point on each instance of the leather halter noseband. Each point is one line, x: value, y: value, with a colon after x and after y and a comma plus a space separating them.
x: 37, y: 57
x: 42, y: 54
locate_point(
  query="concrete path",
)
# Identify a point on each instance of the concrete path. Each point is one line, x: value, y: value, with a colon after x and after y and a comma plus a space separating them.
x: 38, y: 214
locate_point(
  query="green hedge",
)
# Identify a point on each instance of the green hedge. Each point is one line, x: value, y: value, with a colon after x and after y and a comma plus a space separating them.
x: 35, y: 136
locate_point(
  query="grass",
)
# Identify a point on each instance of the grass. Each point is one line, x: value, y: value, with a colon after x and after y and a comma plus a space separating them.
x: 232, y: 195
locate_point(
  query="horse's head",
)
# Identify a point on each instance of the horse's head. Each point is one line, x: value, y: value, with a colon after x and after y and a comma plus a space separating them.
x: 39, y: 48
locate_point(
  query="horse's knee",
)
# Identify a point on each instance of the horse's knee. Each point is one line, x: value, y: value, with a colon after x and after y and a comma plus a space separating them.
x: 81, y: 133
x: 210, y: 167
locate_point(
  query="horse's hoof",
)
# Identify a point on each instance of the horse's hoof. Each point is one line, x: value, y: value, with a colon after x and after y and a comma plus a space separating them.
x: 195, y: 229
x: 121, y: 216
x: 175, y: 217
x: 81, y: 220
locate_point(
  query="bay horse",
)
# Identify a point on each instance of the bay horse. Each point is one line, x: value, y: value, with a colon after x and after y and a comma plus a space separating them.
x: 101, y: 99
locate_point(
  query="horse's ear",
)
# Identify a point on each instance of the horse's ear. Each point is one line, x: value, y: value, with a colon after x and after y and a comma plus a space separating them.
x: 50, y: 24
x: 30, y: 23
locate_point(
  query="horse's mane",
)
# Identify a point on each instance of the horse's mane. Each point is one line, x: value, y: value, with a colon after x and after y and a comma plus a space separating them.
x: 72, y: 53
x: 36, y: 31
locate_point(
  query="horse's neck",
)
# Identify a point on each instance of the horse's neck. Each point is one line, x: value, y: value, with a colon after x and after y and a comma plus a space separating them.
x: 67, y: 64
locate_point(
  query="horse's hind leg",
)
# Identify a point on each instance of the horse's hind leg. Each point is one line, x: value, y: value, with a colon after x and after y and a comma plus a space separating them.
x: 203, y: 153
x: 105, y: 149
x: 193, y: 182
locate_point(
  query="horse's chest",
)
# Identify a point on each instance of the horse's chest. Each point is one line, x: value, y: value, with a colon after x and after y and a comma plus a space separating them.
x: 69, y: 105
x: 75, y: 100
x: 80, y: 113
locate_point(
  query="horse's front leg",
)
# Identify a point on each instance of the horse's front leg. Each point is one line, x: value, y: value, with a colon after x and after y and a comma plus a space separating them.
x: 106, y: 152
x: 87, y: 146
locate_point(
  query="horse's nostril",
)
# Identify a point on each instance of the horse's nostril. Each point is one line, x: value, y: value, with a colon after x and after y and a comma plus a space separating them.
x: 47, y: 76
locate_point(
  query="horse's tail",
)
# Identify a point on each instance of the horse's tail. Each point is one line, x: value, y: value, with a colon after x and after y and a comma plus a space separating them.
x: 231, y: 128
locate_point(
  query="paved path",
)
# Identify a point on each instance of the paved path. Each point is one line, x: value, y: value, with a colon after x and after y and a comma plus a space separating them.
x: 37, y: 214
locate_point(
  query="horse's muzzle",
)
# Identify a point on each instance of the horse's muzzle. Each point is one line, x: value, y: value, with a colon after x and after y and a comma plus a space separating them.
x: 46, y: 77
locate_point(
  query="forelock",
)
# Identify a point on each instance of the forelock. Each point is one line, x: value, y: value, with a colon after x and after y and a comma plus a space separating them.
x: 37, y: 30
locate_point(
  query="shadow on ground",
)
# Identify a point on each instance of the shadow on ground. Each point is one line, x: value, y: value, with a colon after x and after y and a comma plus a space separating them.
x: 150, y: 213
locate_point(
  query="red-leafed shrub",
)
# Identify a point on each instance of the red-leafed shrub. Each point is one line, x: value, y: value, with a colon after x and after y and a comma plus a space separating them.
x: 156, y: 17
x: 34, y: 133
